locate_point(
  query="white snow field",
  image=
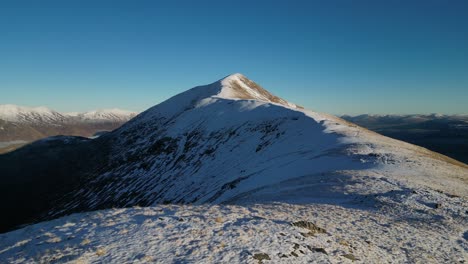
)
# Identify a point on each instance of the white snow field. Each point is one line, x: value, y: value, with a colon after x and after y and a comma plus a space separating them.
x: 243, y: 166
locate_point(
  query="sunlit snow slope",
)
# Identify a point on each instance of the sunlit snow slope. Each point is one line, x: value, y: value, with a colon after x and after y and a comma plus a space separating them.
x: 232, y: 142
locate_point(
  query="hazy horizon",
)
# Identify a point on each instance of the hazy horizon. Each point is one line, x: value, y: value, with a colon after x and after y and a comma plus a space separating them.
x: 348, y: 58
x: 139, y: 111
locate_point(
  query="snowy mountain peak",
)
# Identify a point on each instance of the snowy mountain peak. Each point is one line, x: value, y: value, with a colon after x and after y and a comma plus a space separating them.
x: 237, y: 86
x: 232, y: 87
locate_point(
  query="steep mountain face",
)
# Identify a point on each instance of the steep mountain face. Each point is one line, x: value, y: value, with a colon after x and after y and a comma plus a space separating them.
x: 20, y: 125
x: 227, y: 142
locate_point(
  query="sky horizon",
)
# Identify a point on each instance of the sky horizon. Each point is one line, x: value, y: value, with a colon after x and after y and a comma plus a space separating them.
x: 339, y: 57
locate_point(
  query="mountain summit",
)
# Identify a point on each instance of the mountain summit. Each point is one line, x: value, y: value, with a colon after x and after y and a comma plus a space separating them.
x: 237, y: 86
x: 232, y: 87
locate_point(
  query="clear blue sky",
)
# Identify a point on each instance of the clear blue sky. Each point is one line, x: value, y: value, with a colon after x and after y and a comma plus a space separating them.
x: 331, y: 56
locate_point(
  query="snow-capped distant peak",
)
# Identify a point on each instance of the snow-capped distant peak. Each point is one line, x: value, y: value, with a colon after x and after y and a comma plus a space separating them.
x: 114, y: 114
x: 15, y: 113
x: 44, y: 115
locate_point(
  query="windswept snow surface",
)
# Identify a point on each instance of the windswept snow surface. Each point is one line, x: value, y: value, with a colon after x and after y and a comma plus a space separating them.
x: 267, y: 163
x: 262, y: 233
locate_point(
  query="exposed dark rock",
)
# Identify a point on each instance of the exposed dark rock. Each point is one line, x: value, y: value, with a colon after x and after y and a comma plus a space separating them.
x: 313, y: 229
x: 316, y: 249
x: 261, y: 256
x: 350, y: 256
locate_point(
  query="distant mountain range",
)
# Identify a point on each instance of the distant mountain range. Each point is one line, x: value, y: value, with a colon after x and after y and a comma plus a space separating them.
x: 446, y: 134
x: 20, y: 125
x: 379, y: 121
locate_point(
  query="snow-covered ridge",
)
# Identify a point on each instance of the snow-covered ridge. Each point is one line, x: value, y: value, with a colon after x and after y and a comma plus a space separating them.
x: 44, y: 115
x: 232, y: 87
x: 230, y: 122
x: 15, y: 113
x: 114, y: 114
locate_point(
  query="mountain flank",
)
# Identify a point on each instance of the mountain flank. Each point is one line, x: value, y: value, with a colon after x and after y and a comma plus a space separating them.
x: 257, y: 177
